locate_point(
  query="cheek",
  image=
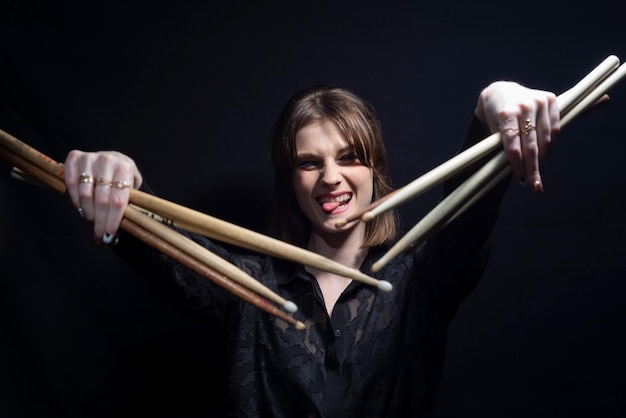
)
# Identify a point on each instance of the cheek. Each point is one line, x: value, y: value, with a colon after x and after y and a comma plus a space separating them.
x: 301, y: 184
x: 369, y: 180
x: 297, y: 183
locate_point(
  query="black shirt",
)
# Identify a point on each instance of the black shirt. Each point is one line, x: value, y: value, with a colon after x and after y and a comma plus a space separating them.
x: 381, y: 353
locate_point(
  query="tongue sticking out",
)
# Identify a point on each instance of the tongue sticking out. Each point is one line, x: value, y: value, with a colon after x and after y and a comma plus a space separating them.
x: 330, y: 206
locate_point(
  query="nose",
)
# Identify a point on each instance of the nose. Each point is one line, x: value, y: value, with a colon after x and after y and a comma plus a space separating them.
x: 331, y: 174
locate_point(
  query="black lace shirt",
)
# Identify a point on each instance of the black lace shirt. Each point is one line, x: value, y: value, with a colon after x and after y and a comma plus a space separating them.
x: 380, y: 354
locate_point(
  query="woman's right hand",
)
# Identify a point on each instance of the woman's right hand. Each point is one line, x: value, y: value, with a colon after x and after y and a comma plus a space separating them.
x: 529, y: 121
x: 98, y: 184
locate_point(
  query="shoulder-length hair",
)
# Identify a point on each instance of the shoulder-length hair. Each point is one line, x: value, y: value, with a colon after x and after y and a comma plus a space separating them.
x: 357, y: 121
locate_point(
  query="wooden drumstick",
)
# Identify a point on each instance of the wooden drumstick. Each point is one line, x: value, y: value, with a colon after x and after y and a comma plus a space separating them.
x: 462, y: 160
x: 27, y: 171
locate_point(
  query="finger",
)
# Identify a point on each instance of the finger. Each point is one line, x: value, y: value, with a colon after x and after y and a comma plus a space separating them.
x: 530, y: 148
x: 554, y: 116
x: 119, y: 195
x: 85, y: 186
x: 103, y: 169
x: 70, y: 176
x: 85, y: 194
x: 511, y: 142
x: 544, y: 130
x: 79, y: 182
x: 536, y: 141
x: 111, y: 193
x: 101, y: 198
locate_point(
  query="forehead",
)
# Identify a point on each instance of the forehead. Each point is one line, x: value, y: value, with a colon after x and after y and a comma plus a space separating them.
x: 320, y: 137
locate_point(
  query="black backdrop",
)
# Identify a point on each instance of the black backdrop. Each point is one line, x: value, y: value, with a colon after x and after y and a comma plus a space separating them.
x: 190, y: 89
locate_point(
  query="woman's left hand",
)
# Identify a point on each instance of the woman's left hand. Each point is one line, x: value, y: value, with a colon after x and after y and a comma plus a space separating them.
x: 529, y: 122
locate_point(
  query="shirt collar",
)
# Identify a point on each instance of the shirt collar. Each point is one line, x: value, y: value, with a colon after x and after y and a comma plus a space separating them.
x: 286, y: 271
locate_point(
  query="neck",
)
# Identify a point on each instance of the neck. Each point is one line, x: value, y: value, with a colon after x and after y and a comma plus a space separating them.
x: 346, y: 249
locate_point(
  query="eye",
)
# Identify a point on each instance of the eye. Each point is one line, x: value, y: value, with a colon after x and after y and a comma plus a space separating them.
x: 349, y: 158
x: 307, y: 165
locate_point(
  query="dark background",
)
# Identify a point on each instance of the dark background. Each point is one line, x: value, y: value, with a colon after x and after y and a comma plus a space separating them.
x: 190, y: 90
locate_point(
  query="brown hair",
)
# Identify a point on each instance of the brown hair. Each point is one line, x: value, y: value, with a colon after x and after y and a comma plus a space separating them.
x: 357, y: 121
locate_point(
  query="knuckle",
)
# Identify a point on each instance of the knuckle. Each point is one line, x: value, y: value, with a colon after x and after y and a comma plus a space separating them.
x: 509, y: 113
x: 85, y: 192
x: 118, y: 202
x: 101, y: 201
x: 531, y: 150
x: 513, y: 153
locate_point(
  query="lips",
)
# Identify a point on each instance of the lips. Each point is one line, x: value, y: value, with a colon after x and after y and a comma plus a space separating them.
x: 334, y: 202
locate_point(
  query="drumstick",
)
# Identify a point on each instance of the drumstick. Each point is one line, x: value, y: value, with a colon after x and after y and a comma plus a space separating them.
x: 368, y: 208
x: 44, y: 177
x: 497, y: 168
x: 202, y: 254
x: 598, y: 95
x: 218, y: 229
x: 234, y: 288
x: 209, y: 226
x: 444, y: 211
x: 500, y: 176
x: 196, y: 250
x: 567, y: 100
x: 31, y: 173
x: 491, y: 143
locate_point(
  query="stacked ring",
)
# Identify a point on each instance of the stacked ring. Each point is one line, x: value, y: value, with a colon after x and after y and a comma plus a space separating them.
x: 120, y: 184
x: 85, y: 178
x: 103, y: 182
x: 510, y: 130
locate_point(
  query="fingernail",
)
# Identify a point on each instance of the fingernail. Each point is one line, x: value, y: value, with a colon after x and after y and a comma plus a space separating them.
x: 107, y: 238
x: 110, y: 239
x: 538, y: 187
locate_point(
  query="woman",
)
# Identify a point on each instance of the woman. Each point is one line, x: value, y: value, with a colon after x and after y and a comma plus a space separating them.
x: 364, y: 353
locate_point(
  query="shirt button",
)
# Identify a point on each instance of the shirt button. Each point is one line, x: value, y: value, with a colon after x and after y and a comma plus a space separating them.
x: 337, y: 333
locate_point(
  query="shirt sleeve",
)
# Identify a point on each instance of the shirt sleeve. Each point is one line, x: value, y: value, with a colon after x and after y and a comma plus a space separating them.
x: 187, y: 290
x: 451, y: 262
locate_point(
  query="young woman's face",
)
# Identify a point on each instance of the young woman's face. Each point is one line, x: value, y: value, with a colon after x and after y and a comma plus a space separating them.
x: 329, y: 180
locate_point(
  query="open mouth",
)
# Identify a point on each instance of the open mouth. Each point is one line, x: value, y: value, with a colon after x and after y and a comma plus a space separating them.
x: 332, y: 203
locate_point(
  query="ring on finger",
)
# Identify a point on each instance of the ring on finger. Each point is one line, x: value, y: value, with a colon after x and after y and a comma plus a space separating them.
x: 528, y: 127
x: 510, y: 130
x: 103, y: 182
x: 120, y: 184
x: 85, y: 178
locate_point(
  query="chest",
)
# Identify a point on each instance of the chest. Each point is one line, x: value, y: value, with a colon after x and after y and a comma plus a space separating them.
x: 331, y: 287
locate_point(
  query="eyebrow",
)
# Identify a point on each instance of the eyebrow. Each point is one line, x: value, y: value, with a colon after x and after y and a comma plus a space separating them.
x: 349, y: 148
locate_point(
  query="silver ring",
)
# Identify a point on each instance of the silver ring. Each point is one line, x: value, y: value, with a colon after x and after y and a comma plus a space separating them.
x: 81, y: 212
x: 85, y: 178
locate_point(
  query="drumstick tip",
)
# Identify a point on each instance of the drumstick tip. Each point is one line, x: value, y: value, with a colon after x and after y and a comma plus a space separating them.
x: 367, y: 216
x: 341, y: 224
x: 290, y: 306
x: 377, y: 266
x: 300, y: 326
x: 385, y: 286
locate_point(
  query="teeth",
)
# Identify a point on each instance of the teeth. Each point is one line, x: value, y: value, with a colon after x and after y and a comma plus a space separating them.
x: 339, y: 199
